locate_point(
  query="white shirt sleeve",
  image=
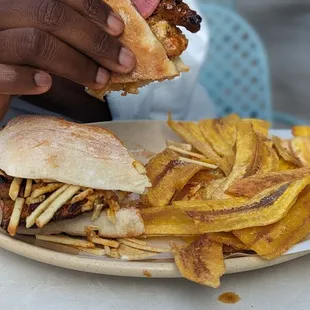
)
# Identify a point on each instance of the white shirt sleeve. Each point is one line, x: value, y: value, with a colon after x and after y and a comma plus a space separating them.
x: 184, y: 97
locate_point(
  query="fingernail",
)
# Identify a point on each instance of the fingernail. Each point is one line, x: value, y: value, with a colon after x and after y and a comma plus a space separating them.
x: 42, y: 79
x: 115, y: 23
x: 126, y: 58
x: 102, y: 76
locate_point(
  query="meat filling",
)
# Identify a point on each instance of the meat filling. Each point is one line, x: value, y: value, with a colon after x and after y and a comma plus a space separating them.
x: 164, y: 21
x: 178, y: 13
x: 174, y: 42
x: 112, y: 200
x: 68, y: 211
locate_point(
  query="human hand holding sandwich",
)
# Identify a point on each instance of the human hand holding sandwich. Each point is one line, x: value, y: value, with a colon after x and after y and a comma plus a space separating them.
x: 78, y: 41
x: 75, y: 39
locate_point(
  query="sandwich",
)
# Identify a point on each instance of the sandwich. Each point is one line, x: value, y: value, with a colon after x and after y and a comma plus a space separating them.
x: 152, y: 34
x: 63, y: 177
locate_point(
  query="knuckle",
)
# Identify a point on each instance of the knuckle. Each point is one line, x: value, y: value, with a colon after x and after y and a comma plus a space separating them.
x: 36, y: 44
x: 102, y: 44
x: 7, y: 75
x: 50, y: 14
x: 92, y: 7
x: 32, y: 42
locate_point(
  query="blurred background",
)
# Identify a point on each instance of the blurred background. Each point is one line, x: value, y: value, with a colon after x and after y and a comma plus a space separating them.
x: 283, y: 26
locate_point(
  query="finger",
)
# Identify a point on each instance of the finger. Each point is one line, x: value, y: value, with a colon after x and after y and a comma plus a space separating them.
x: 100, y: 13
x: 4, y: 105
x: 38, y: 49
x: 16, y: 80
x: 69, y: 26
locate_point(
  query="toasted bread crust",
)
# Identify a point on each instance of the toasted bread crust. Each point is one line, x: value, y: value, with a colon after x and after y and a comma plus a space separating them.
x: 153, y: 63
x: 37, y: 147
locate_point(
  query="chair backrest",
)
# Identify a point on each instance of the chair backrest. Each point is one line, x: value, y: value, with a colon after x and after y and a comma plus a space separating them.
x: 236, y: 72
x: 227, y: 3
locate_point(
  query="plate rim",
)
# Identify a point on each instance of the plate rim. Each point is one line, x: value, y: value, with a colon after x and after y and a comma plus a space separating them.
x: 156, y: 269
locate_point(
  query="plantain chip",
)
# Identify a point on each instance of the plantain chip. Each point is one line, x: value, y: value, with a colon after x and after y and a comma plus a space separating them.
x: 247, y: 158
x: 205, y: 176
x: 268, y: 158
x: 220, y: 144
x: 260, y: 126
x: 168, y: 221
x: 301, y: 131
x: 188, y: 192
x: 201, y: 261
x: 192, y: 194
x: 251, y: 186
x: 266, y: 208
x: 300, y: 148
x: 190, y: 239
x: 285, y: 165
x: 158, y: 165
x: 191, y: 133
x: 174, y: 180
x: 284, y: 149
x: 206, y: 192
x: 229, y: 239
x: 275, y: 160
x: 221, y: 134
x: 274, y: 240
x: 296, y: 150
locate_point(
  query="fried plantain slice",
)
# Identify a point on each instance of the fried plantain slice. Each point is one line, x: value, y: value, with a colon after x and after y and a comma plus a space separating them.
x: 300, y: 148
x: 205, y: 176
x: 157, y: 167
x: 268, y: 158
x: 284, y: 149
x: 266, y: 208
x: 285, y: 165
x: 206, y: 192
x: 221, y: 134
x: 301, y: 131
x: 168, y: 221
x: 201, y: 261
x: 296, y: 150
x: 247, y: 158
x: 191, y: 133
x: 174, y: 180
x: 260, y: 126
x: 251, y: 186
x: 229, y: 239
x: 274, y: 240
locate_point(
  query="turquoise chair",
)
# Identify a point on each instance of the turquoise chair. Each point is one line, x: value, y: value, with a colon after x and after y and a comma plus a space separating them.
x: 236, y: 71
x: 227, y: 3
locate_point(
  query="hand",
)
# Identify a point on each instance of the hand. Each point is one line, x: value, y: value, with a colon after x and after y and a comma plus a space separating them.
x: 75, y: 39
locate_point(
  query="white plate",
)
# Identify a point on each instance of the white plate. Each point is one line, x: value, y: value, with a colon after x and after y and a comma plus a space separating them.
x: 152, y: 136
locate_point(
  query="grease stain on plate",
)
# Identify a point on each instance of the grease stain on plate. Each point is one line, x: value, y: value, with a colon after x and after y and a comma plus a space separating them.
x: 147, y: 274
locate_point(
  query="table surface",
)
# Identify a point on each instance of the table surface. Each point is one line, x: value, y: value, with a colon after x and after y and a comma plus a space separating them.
x: 26, y: 284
